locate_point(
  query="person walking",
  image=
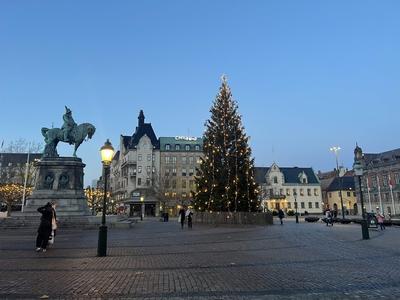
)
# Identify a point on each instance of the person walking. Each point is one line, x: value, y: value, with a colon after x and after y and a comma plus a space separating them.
x: 381, y: 220
x: 54, y: 220
x: 328, y: 215
x: 181, y: 218
x: 44, y: 229
x: 189, y: 215
x: 281, y: 215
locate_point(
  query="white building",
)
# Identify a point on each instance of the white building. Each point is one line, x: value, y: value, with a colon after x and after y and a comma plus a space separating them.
x: 289, y: 188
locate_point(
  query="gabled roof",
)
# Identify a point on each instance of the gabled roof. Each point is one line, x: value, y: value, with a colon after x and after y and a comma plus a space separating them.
x: 347, y: 183
x: 373, y: 158
x: 130, y: 142
x: 292, y: 174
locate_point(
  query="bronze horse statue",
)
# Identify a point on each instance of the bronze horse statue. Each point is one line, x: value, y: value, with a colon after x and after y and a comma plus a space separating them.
x: 76, y: 136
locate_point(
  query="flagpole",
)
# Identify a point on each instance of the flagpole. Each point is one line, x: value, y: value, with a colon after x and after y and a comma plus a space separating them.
x: 391, y: 195
x: 379, y: 194
x: 369, y: 196
x: 26, y: 178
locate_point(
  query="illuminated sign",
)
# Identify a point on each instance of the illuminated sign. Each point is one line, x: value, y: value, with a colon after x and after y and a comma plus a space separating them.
x: 186, y: 138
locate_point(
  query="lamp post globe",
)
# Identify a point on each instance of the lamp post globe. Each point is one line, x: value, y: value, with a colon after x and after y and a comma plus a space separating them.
x: 107, y: 152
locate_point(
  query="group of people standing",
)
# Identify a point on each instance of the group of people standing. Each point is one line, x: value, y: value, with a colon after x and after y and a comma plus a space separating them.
x: 185, y: 215
x: 47, y: 227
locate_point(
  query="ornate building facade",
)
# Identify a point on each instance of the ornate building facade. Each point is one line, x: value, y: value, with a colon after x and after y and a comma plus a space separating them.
x: 149, y: 175
x: 289, y: 188
x: 380, y: 180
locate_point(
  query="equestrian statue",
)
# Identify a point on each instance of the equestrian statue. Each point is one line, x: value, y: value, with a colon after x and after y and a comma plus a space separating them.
x: 70, y: 133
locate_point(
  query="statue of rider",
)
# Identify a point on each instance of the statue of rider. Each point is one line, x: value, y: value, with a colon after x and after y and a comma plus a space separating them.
x: 69, y: 123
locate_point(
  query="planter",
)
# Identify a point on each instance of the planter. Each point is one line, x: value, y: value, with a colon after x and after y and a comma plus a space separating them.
x: 311, y: 219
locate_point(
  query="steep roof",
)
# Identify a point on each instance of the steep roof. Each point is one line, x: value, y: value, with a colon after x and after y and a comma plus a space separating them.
x: 291, y: 174
x: 373, y: 158
x: 130, y: 142
x: 347, y: 183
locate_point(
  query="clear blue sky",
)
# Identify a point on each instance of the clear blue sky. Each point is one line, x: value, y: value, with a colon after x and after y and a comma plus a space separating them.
x: 307, y: 75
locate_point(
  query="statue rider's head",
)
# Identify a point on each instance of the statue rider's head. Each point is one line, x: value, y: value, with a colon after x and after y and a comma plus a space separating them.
x: 67, y: 110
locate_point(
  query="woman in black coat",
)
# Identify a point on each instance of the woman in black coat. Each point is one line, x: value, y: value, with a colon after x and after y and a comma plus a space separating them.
x: 44, y: 229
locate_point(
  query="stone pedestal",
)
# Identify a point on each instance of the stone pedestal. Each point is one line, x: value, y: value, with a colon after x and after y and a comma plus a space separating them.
x: 59, y: 179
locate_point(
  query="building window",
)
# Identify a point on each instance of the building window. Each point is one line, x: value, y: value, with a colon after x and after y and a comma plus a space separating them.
x: 330, y: 195
x: 309, y: 204
x: 348, y: 194
x: 166, y: 194
x: 191, y: 172
x: 166, y: 172
x: 354, y: 194
x: 167, y: 147
x: 385, y: 179
x: 287, y: 192
x: 281, y: 192
x: 396, y: 178
x: 148, y: 157
x: 315, y: 192
x: 289, y: 205
x: 174, y: 183
x: 139, y: 169
x: 197, y: 147
x: 316, y: 204
x: 187, y: 147
x: 148, y: 181
x: 309, y: 192
x: 302, y: 205
x: 183, y: 172
x: 174, y: 172
x: 183, y: 184
x: 177, y: 147
x: 139, y: 181
x: 140, y: 156
x: 275, y: 179
x: 154, y: 157
x: 167, y: 159
x: 295, y: 205
x: 167, y: 183
x: 148, y: 169
x: 184, y: 159
x: 294, y: 192
x: 190, y: 159
x: 173, y: 195
x: 191, y: 184
x: 184, y: 194
x: 197, y: 159
x: 301, y: 192
x: 173, y: 159
x: 304, y: 180
x: 154, y: 169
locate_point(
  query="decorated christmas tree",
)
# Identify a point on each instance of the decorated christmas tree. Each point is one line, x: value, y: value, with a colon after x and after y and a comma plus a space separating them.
x: 225, y: 179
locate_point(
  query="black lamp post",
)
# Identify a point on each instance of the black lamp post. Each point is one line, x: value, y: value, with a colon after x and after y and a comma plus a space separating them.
x: 295, y: 205
x: 107, y: 152
x: 141, y: 208
x: 358, y: 170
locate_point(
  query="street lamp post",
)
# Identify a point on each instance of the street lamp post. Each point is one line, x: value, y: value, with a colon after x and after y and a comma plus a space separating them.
x: 336, y: 149
x: 141, y: 208
x: 107, y: 152
x: 295, y: 205
x: 358, y: 170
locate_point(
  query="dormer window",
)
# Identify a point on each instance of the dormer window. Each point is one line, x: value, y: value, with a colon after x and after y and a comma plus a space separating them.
x: 167, y: 147
x: 178, y: 147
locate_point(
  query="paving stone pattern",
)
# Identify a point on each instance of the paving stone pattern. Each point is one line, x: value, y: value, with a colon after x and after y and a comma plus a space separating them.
x: 159, y: 260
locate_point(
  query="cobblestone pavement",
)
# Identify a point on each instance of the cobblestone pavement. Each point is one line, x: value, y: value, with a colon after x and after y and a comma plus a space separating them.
x: 159, y: 260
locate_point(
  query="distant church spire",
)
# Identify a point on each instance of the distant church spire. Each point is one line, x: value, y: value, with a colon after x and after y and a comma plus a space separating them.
x: 141, y: 118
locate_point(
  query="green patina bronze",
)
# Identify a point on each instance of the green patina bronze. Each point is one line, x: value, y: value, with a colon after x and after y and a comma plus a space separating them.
x: 70, y: 133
